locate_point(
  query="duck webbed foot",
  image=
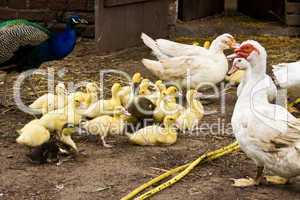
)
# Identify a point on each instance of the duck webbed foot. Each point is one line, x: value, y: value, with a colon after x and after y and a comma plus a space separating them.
x: 276, y: 180
x: 247, y: 182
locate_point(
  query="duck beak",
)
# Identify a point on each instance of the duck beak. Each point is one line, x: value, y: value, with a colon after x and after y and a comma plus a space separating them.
x: 83, y: 21
x: 235, y: 45
x: 233, y: 69
x: 232, y: 56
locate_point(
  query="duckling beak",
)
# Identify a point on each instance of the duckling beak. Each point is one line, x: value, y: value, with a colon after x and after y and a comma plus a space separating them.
x: 199, y: 95
x: 125, y: 112
x: 68, y: 140
x: 180, y: 94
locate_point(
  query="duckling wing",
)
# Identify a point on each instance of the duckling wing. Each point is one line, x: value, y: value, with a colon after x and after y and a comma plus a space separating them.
x: 39, y: 102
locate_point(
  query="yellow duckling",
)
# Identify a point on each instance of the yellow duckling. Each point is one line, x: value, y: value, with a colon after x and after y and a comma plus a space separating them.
x: 103, y: 107
x: 91, y: 93
x: 90, y: 96
x: 55, y: 120
x: 128, y: 92
x: 50, y: 101
x: 153, y: 96
x: 33, y: 135
x: 156, y: 135
x: 160, y: 85
x: 32, y: 122
x: 206, y: 44
x: 194, y: 112
x: 166, y: 105
x: 106, y: 125
x: 144, y: 86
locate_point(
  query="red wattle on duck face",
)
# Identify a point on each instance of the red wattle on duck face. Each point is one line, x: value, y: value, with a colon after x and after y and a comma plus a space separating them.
x: 241, y: 54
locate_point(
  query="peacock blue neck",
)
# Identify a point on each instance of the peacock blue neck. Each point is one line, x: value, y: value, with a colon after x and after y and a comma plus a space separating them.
x: 63, y: 43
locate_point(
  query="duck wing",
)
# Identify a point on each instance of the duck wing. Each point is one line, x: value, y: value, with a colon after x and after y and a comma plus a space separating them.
x: 178, y: 67
x: 163, y: 48
x: 287, y: 74
x: 280, y: 128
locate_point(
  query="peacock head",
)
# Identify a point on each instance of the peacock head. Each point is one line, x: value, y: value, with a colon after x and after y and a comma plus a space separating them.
x: 76, y: 20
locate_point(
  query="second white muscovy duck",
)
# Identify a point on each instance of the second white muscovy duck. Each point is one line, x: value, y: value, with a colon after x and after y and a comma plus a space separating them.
x: 266, y: 132
x: 287, y: 76
x: 176, y: 62
x: 241, y: 62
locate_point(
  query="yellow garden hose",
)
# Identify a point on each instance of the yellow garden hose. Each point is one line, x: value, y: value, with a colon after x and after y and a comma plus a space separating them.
x: 185, y: 170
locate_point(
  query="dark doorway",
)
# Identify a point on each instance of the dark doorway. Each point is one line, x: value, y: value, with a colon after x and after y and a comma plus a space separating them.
x: 195, y: 9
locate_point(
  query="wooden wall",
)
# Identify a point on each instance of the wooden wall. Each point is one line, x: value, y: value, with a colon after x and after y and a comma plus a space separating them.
x: 119, y: 23
x: 52, y: 13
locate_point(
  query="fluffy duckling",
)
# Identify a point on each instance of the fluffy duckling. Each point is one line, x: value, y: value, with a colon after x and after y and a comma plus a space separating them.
x: 156, y: 135
x: 160, y: 85
x: 141, y: 107
x: 56, y: 120
x: 166, y: 105
x: 106, y: 125
x: 32, y: 122
x: 50, y: 101
x: 194, y: 112
x: 128, y: 92
x: 33, y: 135
x: 103, y: 107
x: 206, y: 44
x: 46, y: 153
x: 91, y: 93
x: 146, y: 86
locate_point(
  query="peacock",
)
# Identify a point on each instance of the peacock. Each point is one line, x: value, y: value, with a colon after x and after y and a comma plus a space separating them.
x: 25, y: 45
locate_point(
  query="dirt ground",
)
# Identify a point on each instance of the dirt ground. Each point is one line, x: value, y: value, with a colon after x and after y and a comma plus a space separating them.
x: 101, y: 173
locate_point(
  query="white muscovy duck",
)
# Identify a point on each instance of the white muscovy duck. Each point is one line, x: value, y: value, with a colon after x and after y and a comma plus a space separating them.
x: 271, y: 89
x: 266, y: 132
x: 178, y: 61
x: 287, y: 76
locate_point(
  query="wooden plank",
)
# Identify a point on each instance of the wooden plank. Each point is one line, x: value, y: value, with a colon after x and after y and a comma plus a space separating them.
x: 293, y: 20
x: 119, y: 27
x: 112, y: 3
x: 292, y: 7
x: 134, y: 24
x: 154, y: 19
